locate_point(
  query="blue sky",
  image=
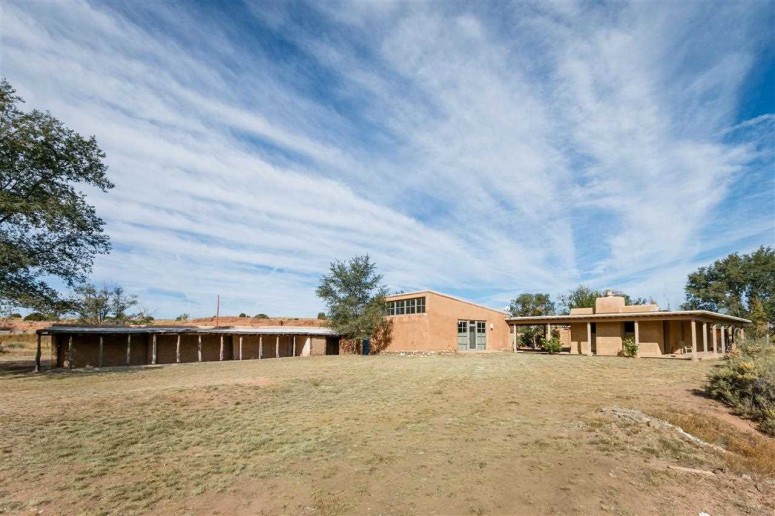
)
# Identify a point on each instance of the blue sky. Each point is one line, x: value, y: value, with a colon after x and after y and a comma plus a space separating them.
x: 481, y: 149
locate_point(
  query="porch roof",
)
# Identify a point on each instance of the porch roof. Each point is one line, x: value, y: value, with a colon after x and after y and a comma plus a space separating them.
x: 224, y: 330
x: 683, y: 315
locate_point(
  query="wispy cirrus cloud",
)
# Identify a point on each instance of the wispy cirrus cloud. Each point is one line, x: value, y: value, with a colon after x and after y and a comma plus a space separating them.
x: 483, y: 150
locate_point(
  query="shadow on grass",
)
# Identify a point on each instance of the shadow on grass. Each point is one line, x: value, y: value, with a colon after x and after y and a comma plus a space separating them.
x: 26, y: 369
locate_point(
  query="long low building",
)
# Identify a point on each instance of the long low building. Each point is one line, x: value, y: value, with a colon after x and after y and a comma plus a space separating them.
x: 602, y: 329
x: 110, y: 346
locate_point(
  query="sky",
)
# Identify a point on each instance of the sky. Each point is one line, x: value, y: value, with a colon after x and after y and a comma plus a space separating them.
x: 480, y: 149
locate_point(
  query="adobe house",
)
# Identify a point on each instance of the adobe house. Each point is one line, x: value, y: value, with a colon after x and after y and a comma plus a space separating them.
x: 108, y: 346
x: 600, y: 330
x: 431, y: 321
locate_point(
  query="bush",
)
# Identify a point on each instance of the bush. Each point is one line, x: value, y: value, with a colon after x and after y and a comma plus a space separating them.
x: 262, y: 316
x: 243, y: 314
x: 182, y: 317
x: 35, y: 316
x: 322, y: 316
x: 746, y: 382
x: 553, y: 345
x: 629, y: 347
x: 16, y: 315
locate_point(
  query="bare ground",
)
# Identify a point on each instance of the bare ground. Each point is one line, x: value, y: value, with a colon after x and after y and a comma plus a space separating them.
x: 455, y: 434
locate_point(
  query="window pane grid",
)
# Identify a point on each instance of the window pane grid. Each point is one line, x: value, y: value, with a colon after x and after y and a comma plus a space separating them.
x: 406, y: 306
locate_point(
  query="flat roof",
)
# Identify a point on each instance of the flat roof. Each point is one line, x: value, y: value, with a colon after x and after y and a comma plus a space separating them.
x: 624, y: 316
x: 419, y: 292
x: 236, y: 330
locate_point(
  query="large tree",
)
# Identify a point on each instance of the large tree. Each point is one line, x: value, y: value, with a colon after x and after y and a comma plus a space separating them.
x: 742, y: 285
x: 584, y: 297
x: 354, y: 296
x: 528, y: 304
x: 47, y: 229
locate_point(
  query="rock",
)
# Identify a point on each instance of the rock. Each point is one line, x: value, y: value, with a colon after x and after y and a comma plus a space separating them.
x: 746, y: 477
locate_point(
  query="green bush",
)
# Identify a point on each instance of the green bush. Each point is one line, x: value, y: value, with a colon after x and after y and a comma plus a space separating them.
x: 553, y: 345
x: 243, y: 314
x: 262, y: 316
x: 746, y: 382
x: 629, y: 347
x: 35, y: 316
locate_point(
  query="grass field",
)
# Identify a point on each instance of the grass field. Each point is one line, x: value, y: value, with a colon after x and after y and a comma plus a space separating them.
x: 464, y: 434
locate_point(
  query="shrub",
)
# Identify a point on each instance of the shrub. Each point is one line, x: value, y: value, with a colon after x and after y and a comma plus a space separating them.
x: 243, y: 314
x: 35, y: 316
x: 262, y: 316
x: 16, y: 315
x: 182, y: 317
x: 553, y: 345
x: 629, y: 347
x: 746, y: 382
x: 322, y: 316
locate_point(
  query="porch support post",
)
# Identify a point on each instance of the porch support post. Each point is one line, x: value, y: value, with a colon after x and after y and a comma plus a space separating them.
x: 714, y: 338
x: 637, y: 339
x: 548, y: 332
x: 70, y: 352
x: 153, y: 354
x: 705, y: 337
x: 220, y: 354
x: 294, y: 345
x: 102, y: 352
x: 177, y: 350
x: 723, y: 339
x: 260, y: 346
x: 277, y: 348
x: 199, y: 346
x: 589, y: 340
x: 37, y: 355
x: 694, y: 340
x: 128, y: 349
x: 240, y: 347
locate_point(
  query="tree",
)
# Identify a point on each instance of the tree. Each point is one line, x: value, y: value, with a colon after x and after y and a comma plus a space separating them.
x: 107, y: 305
x: 47, y: 229
x: 525, y: 305
x: 354, y: 297
x: 580, y: 297
x: 735, y: 284
x: 321, y: 316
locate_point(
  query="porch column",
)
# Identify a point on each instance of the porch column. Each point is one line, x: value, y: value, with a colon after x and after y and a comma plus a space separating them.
x: 128, y: 348
x: 548, y: 332
x: 220, y: 354
x: 70, y: 352
x: 277, y: 348
x: 694, y: 340
x: 742, y: 334
x: 723, y: 339
x: 589, y: 340
x: 260, y: 346
x: 637, y: 339
x: 240, y: 347
x: 37, y: 355
x: 102, y: 352
x: 714, y: 338
x: 153, y: 355
x: 177, y: 350
x: 294, y: 345
x: 199, y: 346
x: 705, y: 337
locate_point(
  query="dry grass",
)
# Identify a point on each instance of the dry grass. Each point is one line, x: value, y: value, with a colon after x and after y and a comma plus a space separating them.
x: 329, y: 435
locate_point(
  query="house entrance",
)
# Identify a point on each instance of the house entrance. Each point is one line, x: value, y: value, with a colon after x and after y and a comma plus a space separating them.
x: 471, y: 335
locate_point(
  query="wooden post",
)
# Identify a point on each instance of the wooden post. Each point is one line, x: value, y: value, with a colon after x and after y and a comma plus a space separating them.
x: 637, y: 339
x: 260, y: 346
x: 723, y: 339
x: 70, y: 352
x: 589, y: 339
x: 294, y: 345
x: 240, y: 347
x: 705, y: 337
x: 102, y: 352
x: 199, y: 346
x: 153, y: 352
x: 714, y: 338
x: 694, y: 340
x: 177, y: 350
x: 277, y: 348
x: 548, y: 332
x: 128, y: 349
x: 37, y: 356
x: 220, y: 355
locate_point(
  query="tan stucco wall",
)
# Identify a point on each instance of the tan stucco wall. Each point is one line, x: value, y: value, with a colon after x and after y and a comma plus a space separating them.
x: 608, y: 338
x: 651, y: 339
x: 436, y: 329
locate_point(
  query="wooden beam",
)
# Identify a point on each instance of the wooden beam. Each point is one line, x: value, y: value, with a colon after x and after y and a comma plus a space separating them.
x: 240, y: 347
x: 694, y: 340
x: 260, y: 346
x: 704, y: 337
x: 723, y: 339
x: 37, y: 355
x: 294, y: 345
x: 199, y: 346
x: 153, y: 352
x: 277, y: 348
x: 589, y: 340
x: 70, y: 352
x: 177, y: 350
x: 128, y: 349
x: 220, y: 355
x: 714, y: 338
x: 102, y: 352
x: 637, y: 339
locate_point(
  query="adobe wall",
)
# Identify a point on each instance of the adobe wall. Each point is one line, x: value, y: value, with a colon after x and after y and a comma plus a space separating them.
x: 317, y: 346
x: 578, y: 339
x: 436, y: 329
x: 651, y: 338
x: 608, y: 338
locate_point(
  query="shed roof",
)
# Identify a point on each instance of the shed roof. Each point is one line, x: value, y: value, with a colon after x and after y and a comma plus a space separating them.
x: 236, y: 330
x: 702, y: 315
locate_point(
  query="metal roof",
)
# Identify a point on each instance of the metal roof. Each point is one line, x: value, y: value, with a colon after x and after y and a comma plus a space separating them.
x: 624, y: 316
x: 236, y: 330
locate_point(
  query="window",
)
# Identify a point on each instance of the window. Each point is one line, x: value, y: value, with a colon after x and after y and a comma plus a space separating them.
x: 415, y: 305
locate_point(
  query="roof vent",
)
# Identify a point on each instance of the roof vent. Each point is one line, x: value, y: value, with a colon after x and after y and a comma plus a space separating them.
x: 609, y: 293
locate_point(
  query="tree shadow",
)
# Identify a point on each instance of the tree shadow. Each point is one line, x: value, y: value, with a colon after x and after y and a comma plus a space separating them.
x: 26, y: 369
